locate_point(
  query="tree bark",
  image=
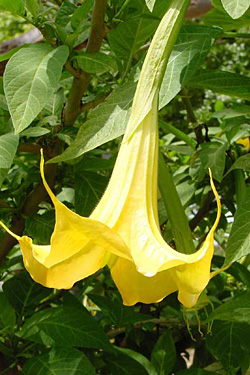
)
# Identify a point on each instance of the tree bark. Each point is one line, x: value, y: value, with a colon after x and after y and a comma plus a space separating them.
x: 80, y: 84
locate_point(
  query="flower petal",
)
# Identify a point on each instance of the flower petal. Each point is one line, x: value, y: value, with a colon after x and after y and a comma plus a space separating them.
x: 64, y: 274
x: 79, y: 247
x: 189, y: 277
x: 73, y: 232
x: 135, y: 287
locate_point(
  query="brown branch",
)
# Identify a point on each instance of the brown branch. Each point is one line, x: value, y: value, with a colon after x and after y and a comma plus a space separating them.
x: 73, y: 71
x: 80, y: 84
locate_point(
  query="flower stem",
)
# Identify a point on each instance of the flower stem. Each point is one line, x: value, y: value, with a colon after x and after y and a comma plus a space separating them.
x: 178, y: 133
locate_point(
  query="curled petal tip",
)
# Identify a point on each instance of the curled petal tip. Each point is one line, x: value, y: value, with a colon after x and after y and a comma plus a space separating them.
x: 9, y: 231
x: 210, y: 173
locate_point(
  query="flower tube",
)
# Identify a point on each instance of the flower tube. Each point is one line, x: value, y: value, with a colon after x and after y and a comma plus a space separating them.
x: 123, y: 231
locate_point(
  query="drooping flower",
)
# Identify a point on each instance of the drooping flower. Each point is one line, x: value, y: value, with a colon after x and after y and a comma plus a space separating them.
x: 123, y: 231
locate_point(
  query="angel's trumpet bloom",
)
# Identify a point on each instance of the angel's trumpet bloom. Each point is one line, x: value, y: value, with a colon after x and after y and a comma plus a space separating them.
x: 123, y: 230
x: 129, y: 206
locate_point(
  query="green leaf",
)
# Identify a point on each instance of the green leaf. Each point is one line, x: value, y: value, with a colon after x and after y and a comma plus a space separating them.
x: 7, y: 315
x: 63, y: 15
x: 241, y: 273
x: 7, y: 55
x: 235, y: 310
x: 221, y: 18
x: 37, y: 131
x: 80, y: 14
x: 163, y: 356
x: 213, y: 156
x: 8, y: 147
x: 229, y: 343
x: 3, y: 103
x: 65, y: 326
x: 129, y: 36
x: 231, y: 84
x: 243, y: 162
x: 55, y: 103
x: 105, y: 122
x: 111, y: 309
x: 24, y: 294
x: 235, y: 8
x: 89, y: 188
x: 150, y: 4
x: 41, y: 226
x: 95, y: 62
x: 94, y: 164
x: 13, y: 6
x: 59, y: 361
x: 141, y: 359
x: 185, y: 191
x: 237, y: 110
x: 189, y: 52
x: 239, y: 238
x: 27, y: 90
x: 122, y: 364
x: 32, y: 7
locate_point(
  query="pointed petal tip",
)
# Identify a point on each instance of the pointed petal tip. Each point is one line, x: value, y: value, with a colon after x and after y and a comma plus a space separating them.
x: 188, y: 300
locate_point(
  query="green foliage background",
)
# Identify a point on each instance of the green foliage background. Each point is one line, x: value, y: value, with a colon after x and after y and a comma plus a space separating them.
x: 204, y: 113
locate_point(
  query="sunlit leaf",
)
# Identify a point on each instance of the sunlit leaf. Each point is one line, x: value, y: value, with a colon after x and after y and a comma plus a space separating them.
x: 8, y: 147
x: 28, y: 88
x: 236, y: 8
x: 95, y: 62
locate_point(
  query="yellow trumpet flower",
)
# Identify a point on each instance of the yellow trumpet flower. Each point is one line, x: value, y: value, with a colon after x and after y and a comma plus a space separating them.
x: 123, y: 231
x: 129, y: 206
